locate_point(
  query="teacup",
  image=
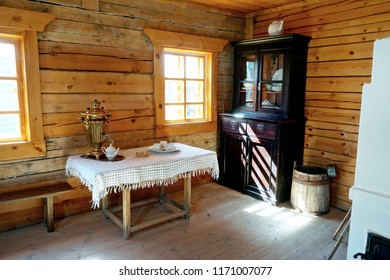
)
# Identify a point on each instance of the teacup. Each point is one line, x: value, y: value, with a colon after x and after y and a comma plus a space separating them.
x: 163, y: 145
x: 156, y: 146
x: 171, y: 146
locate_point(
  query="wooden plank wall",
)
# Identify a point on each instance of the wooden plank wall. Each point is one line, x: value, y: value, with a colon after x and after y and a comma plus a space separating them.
x: 339, y: 63
x: 96, y: 49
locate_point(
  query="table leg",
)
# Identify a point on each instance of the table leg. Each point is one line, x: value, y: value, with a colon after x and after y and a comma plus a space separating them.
x: 104, y: 206
x: 161, y: 194
x: 126, y: 205
x: 187, y: 196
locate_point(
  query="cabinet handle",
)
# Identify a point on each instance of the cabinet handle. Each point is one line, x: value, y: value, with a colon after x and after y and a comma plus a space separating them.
x: 233, y: 124
x: 260, y: 126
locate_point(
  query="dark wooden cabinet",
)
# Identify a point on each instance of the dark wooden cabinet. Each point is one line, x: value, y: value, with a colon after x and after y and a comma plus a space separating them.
x: 264, y: 134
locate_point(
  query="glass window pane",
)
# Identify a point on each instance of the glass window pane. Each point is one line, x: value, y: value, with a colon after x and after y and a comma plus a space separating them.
x: 173, y: 66
x: 271, y: 95
x: 194, y: 67
x: 194, y: 111
x: 250, y: 69
x: 271, y: 64
x: 194, y: 91
x: 9, y: 126
x: 9, y: 95
x: 7, y: 60
x: 174, y: 112
x: 174, y: 91
x: 246, y: 80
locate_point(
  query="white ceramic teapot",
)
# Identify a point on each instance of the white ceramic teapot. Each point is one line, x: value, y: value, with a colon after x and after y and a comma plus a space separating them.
x: 275, y: 28
x: 110, y: 152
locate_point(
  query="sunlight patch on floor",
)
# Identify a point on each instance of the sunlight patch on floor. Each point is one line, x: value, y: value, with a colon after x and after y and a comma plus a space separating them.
x: 290, y: 216
x: 272, y: 210
x: 283, y: 216
x: 256, y: 207
x: 300, y: 220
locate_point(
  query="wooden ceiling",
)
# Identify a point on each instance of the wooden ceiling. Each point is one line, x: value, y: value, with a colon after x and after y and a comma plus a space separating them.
x: 244, y: 7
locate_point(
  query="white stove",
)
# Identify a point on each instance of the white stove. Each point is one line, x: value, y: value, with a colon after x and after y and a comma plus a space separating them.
x: 371, y: 191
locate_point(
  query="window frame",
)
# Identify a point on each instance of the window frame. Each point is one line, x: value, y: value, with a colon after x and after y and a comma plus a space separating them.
x: 166, y: 39
x: 17, y: 42
x: 206, y: 83
x: 26, y: 24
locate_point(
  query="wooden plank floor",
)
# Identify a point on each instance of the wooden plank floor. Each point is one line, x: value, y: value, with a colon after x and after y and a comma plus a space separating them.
x: 224, y: 224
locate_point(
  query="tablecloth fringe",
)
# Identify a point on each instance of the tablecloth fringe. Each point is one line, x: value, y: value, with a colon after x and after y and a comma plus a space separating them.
x: 75, y: 173
x: 149, y: 183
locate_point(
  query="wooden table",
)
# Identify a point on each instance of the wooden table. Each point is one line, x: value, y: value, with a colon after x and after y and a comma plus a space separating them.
x: 132, y: 173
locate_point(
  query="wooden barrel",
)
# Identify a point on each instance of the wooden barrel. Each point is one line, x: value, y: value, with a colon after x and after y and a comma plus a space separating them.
x: 310, y: 191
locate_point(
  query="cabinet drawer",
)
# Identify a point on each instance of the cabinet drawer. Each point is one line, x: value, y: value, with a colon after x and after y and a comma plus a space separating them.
x: 262, y: 129
x: 233, y: 125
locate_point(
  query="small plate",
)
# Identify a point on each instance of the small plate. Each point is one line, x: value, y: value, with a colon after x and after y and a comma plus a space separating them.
x: 160, y: 151
x: 278, y: 75
x: 266, y: 103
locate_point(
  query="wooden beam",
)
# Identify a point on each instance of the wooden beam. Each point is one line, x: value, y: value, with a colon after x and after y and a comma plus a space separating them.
x: 91, y: 4
x: 249, y: 27
x: 22, y: 19
x: 174, y: 39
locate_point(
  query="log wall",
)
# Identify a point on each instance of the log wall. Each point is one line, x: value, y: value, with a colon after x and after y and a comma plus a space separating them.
x: 96, y: 49
x: 339, y: 63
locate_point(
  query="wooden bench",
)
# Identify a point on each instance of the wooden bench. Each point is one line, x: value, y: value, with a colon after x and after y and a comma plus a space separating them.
x: 46, y: 190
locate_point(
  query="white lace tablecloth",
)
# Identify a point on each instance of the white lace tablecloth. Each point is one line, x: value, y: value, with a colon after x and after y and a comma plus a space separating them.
x: 104, y: 177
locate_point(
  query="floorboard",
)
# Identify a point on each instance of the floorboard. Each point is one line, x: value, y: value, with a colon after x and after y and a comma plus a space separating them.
x: 224, y: 224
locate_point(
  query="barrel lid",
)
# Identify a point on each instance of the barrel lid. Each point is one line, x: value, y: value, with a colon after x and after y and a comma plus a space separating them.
x: 311, y: 169
x: 310, y: 174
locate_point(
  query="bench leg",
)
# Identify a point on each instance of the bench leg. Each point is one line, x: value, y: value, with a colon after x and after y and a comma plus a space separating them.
x: 49, y: 213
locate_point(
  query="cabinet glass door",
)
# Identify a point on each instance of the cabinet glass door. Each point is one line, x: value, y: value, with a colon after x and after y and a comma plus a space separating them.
x: 246, y: 80
x: 270, y: 83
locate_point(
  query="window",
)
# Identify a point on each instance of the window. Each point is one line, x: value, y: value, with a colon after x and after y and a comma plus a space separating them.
x: 21, y: 126
x: 186, y: 71
x: 12, y: 117
x: 186, y: 85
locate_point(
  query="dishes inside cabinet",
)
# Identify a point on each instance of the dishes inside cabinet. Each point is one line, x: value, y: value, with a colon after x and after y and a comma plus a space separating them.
x: 267, y: 103
x: 278, y: 76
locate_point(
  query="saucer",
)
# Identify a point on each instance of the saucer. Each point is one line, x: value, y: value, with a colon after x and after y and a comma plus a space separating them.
x: 163, y: 151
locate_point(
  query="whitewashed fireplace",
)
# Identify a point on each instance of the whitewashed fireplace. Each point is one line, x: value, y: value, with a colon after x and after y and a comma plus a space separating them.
x: 371, y: 191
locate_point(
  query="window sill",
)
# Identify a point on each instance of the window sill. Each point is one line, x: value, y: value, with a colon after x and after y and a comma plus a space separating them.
x: 185, y: 128
x: 22, y: 150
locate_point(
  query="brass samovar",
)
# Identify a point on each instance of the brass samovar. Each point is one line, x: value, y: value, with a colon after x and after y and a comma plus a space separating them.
x: 95, y: 121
